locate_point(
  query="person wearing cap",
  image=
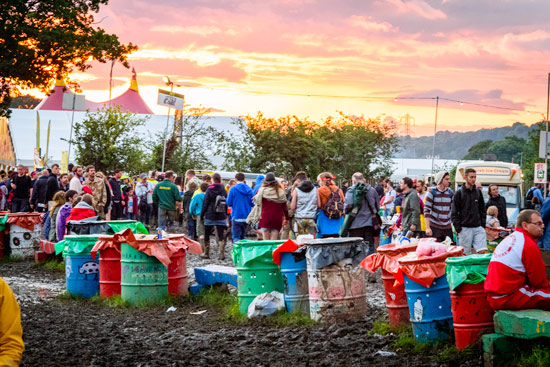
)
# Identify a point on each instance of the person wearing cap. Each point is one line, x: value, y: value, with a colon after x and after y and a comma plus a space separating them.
x: 437, y: 208
x: 144, y: 192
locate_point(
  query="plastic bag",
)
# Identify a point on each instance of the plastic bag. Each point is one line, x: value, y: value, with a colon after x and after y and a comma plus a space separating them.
x: 266, y: 304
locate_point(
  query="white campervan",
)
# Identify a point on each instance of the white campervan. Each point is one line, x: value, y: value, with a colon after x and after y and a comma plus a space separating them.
x: 506, y: 175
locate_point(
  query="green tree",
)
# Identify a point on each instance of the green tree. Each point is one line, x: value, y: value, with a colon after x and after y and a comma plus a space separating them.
x: 109, y: 139
x: 41, y: 40
x: 341, y: 145
x: 190, y: 145
x: 476, y: 151
x: 27, y: 102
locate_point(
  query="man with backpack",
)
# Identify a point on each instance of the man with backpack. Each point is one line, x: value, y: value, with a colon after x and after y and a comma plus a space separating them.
x: 468, y: 215
x: 411, y: 208
x: 534, y: 197
x: 167, y: 196
x: 364, y: 199
x: 214, y: 214
x: 437, y: 208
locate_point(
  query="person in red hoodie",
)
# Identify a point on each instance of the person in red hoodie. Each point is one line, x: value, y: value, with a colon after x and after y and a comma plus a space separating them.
x: 83, y: 209
x: 516, y: 279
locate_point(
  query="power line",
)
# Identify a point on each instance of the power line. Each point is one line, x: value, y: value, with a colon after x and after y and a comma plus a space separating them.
x: 369, y: 98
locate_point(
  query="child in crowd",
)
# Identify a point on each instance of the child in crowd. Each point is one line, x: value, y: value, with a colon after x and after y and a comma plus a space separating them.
x: 131, y: 208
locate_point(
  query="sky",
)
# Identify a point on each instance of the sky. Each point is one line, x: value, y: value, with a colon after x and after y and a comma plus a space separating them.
x: 317, y: 57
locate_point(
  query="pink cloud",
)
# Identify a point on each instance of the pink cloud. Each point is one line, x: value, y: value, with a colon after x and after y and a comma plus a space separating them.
x: 367, y: 23
x: 417, y: 7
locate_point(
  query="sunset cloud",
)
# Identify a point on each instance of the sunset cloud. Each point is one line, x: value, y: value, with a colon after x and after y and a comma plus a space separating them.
x: 241, y: 56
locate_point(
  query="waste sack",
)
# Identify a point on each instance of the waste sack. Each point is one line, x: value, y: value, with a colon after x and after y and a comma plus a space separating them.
x: 266, y: 304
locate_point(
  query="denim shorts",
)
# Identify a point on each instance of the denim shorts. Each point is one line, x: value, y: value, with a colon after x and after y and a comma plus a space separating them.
x: 269, y: 230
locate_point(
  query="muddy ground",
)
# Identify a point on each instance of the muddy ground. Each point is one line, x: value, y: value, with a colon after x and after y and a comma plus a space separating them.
x: 60, y: 332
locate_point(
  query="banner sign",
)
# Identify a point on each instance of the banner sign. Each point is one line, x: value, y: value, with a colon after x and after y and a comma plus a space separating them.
x: 171, y: 99
x: 540, y: 173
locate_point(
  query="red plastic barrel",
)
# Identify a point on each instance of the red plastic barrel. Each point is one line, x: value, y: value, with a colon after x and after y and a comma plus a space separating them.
x: 396, y: 300
x: 177, y: 274
x: 109, y: 271
x: 472, y: 315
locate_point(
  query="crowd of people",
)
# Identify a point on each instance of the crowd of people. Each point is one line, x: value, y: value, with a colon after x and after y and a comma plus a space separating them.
x: 272, y: 208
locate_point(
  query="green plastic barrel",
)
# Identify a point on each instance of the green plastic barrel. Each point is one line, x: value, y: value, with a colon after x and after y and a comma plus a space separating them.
x: 143, y: 278
x: 256, y: 271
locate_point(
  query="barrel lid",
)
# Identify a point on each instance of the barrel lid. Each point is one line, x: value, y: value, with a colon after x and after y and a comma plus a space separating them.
x: 393, y: 249
x: 475, y: 259
x: 259, y: 243
x: 337, y: 241
x: 81, y: 237
x: 412, y: 258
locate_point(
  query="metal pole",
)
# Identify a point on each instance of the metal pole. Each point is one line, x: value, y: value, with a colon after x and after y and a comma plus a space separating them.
x: 166, y: 130
x: 435, y: 131
x: 546, y: 137
x: 71, y: 137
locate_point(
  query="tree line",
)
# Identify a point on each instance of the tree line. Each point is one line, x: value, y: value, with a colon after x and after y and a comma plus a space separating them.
x: 343, y: 144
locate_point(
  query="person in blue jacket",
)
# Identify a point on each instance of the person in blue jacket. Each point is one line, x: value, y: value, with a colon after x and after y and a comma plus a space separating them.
x: 259, y: 182
x: 240, y: 202
x: 544, y: 241
x: 195, y: 209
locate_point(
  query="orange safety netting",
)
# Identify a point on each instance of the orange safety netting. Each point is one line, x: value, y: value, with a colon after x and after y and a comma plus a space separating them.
x: 162, y: 249
x: 424, y: 269
x: 25, y: 220
x: 386, y: 258
x: 287, y: 246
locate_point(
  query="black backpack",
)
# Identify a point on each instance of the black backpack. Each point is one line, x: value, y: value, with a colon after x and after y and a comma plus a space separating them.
x: 334, y: 207
x: 529, y: 198
x: 220, y: 205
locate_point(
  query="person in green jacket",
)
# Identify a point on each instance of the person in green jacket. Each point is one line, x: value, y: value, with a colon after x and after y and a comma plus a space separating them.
x: 167, y: 196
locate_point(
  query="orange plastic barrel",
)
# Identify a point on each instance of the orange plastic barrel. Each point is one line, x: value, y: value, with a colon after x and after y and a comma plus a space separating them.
x: 177, y: 274
x: 109, y: 269
x: 396, y: 300
x: 472, y: 315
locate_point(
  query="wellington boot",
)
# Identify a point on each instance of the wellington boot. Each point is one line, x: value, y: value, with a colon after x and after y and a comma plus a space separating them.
x: 222, y: 250
x: 206, y: 251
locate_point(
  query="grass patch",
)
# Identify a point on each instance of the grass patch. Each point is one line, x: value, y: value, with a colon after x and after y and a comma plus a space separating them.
x: 451, y: 355
x: 539, y: 356
x: 51, y: 264
x: 11, y: 259
x: 382, y: 327
x: 282, y: 319
x: 115, y: 301
x: 408, y: 343
x: 69, y: 296
x: 229, y: 306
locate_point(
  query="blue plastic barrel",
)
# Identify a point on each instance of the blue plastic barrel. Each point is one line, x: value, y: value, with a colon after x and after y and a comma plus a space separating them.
x: 296, y: 284
x: 82, y: 274
x: 384, y: 239
x: 430, y: 310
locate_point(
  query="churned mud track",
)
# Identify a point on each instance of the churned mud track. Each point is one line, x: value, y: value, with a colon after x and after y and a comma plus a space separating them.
x: 84, y: 333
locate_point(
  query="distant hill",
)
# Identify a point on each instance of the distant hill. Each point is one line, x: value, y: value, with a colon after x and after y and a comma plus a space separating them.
x: 454, y: 145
